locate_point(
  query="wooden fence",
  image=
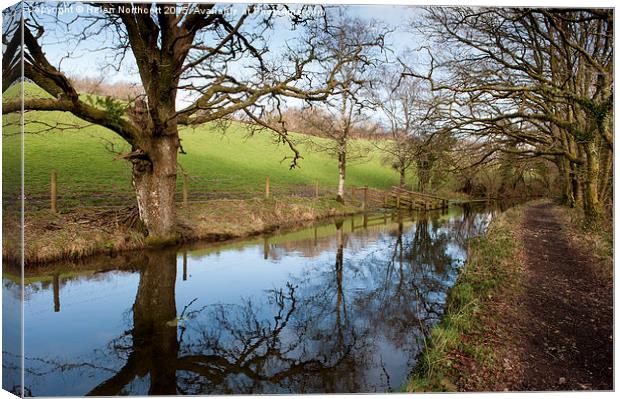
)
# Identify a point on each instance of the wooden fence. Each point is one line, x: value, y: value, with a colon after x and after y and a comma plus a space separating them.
x: 192, y: 189
x: 397, y: 197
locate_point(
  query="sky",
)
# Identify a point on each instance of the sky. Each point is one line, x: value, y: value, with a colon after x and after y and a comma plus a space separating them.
x: 89, y: 57
x: 56, y: 42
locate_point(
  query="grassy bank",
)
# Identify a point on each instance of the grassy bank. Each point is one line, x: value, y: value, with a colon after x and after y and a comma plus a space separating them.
x: 458, y: 355
x: 81, y: 233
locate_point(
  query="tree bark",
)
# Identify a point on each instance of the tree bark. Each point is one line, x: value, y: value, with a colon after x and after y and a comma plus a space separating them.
x: 592, y: 206
x: 154, y: 180
x: 402, y: 177
x: 565, y: 182
x: 342, y: 171
x: 577, y: 186
x: 606, y: 176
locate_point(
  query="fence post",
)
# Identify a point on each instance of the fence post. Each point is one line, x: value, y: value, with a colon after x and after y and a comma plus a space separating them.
x: 53, y: 192
x: 365, y: 203
x: 352, y: 194
x: 398, y: 200
x: 315, y: 236
x: 316, y: 189
x: 267, y: 187
x: 56, y: 289
x: 185, y: 190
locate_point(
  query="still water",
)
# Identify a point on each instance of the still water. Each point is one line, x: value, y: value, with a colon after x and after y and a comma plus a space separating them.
x: 342, y: 306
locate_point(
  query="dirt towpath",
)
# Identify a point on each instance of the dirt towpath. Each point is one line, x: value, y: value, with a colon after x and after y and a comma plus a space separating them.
x: 564, y: 315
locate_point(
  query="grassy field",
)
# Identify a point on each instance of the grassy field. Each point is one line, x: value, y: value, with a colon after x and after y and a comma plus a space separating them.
x: 216, y: 161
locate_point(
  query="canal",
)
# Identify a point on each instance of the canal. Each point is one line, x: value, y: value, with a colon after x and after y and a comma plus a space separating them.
x: 340, y: 306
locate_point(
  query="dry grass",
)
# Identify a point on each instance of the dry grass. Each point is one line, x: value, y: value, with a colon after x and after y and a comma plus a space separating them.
x: 595, y: 239
x: 51, y: 237
x: 240, y: 218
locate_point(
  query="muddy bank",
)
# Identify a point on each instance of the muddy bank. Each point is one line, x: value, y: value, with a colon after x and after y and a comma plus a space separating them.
x: 77, y: 234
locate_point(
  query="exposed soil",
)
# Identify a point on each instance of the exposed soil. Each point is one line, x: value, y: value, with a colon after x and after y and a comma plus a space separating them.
x: 557, y: 330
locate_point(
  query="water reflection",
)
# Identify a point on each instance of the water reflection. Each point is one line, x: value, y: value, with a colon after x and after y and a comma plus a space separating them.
x: 338, y: 307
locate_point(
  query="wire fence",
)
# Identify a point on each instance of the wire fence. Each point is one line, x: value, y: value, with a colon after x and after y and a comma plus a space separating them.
x: 192, y: 189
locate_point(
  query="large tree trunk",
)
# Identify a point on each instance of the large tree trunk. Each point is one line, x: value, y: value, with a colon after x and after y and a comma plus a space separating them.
x: 578, y: 187
x: 565, y: 182
x: 592, y: 206
x: 154, y: 180
x: 606, y: 176
x: 423, y: 185
x: 565, y: 168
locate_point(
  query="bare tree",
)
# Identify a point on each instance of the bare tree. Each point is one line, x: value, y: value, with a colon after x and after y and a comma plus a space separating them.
x: 342, y: 112
x: 219, y: 54
x: 532, y: 82
x: 397, y: 102
x: 411, y: 116
x: 309, y: 121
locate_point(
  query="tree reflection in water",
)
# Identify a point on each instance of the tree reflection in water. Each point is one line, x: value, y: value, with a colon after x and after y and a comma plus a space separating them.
x: 219, y: 348
x: 154, y: 344
x: 353, y: 326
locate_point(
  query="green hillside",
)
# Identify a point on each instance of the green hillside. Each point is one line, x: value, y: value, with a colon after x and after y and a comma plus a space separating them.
x: 217, y: 161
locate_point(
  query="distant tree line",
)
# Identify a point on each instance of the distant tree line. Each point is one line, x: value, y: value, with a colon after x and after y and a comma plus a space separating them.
x: 120, y: 90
